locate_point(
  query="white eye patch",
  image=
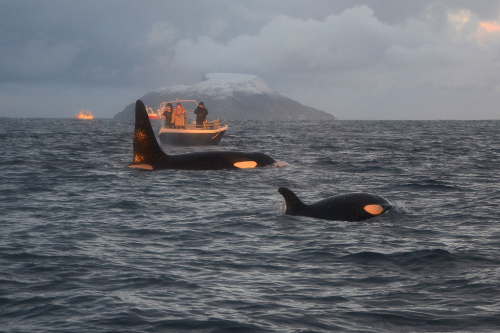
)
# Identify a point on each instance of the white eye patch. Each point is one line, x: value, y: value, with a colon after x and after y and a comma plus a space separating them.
x: 245, y: 164
x: 374, y: 209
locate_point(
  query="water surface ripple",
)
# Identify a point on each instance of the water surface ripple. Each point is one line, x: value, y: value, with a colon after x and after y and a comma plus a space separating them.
x: 88, y: 245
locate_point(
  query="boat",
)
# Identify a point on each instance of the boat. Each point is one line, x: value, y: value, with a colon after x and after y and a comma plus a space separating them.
x: 207, y: 135
x: 85, y: 115
x: 152, y: 114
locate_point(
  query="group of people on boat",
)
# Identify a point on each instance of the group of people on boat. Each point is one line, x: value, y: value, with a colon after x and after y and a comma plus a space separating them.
x: 176, y: 118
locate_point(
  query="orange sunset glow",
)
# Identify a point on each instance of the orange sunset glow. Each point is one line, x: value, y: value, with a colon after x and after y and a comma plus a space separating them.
x: 490, y: 26
x: 487, y: 32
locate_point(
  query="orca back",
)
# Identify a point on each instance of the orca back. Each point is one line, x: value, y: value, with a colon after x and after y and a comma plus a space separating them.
x: 148, y: 154
x: 352, y: 207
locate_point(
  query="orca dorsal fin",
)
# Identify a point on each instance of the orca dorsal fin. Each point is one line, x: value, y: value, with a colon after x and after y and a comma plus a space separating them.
x: 294, y: 205
x: 147, y: 151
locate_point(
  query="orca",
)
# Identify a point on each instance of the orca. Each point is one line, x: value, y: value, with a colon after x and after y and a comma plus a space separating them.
x: 352, y: 207
x: 149, y: 156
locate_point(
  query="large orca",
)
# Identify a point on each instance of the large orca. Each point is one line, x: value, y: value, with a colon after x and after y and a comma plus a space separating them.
x: 351, y: 207
x: 149, y: 156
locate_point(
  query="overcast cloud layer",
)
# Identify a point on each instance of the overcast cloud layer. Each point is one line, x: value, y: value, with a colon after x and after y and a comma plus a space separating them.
x: 355, y: 59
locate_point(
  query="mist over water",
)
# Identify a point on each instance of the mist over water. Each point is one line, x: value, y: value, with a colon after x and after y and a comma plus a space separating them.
x: 89, y: 245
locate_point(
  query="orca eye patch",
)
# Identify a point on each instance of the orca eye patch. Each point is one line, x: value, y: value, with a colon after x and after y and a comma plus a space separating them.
x: 374, y: 209
x: 245, y: 164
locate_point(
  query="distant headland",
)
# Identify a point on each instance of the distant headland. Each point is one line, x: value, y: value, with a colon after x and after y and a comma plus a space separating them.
x: 232, y: 96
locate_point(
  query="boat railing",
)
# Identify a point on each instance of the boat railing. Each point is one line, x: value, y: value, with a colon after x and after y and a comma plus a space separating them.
x: 207, y: 125
x: 213, y: 123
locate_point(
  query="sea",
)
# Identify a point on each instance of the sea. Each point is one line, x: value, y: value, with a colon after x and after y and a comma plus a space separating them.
x: 89, y: 245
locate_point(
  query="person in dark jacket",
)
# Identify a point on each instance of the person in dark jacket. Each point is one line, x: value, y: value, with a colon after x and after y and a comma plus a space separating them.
x: 167, y: 114
x: 201, y: 114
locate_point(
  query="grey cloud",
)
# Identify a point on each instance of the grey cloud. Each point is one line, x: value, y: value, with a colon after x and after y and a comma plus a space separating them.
x: 354, y: 58
x: 351, y: 41
x: 37, y: 58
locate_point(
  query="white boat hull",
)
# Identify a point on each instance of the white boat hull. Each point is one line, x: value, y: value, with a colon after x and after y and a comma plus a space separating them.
x: 192, y: 136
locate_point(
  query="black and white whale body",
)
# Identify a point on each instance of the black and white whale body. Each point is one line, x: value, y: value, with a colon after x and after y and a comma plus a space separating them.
x: 352, y: 207
x: 149, y: 156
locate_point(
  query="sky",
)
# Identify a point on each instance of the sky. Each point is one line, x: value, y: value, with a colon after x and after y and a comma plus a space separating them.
x: 371, y: 59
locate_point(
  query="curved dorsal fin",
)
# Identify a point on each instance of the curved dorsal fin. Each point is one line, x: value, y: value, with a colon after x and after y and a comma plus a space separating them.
x: 293, y: 204
x: 146, y: 148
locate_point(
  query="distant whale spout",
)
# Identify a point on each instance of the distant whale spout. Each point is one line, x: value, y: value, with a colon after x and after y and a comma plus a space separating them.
x: 351, y: 207
x: 148, y: 154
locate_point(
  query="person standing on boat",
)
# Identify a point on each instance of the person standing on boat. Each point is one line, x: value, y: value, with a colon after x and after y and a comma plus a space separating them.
x: 201, y: 114
x: 179, y: 116
x: 167, y: 114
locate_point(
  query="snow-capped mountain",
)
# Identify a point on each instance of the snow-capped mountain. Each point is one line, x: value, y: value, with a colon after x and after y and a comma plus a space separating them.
x: 231, y: 96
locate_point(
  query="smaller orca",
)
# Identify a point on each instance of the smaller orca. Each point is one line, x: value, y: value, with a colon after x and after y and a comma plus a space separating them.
x: 149, y: 156
x: 352, y: 207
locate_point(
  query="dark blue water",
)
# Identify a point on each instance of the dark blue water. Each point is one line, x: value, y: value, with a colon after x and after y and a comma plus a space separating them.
x: 88, y: 245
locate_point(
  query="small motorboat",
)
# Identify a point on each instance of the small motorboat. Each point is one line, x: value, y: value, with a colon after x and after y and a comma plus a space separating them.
x: 210, y: 133
x: 84, y: 115
x: 152, y: 114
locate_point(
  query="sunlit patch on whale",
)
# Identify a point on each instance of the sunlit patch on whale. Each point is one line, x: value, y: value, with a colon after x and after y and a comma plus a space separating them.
x: 141, y: 166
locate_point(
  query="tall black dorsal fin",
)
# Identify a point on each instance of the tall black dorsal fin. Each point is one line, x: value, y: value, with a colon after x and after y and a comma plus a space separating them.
x: 147, y: 151
x: 293, y: 204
